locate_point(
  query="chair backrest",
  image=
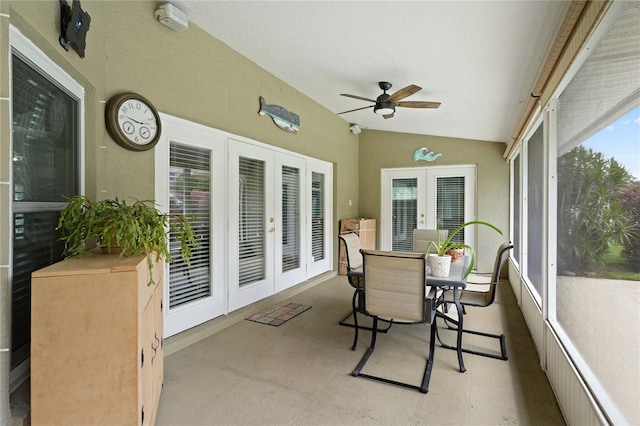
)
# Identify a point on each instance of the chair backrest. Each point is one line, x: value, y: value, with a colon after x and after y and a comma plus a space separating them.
x: 351, y: 242
x: 422, y: 237
x: 394, y: 285
x: 497, y: 268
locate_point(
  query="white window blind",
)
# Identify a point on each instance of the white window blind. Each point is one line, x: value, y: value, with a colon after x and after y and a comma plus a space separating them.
x: 450, y: 204
x: 607, y: 86
x: 290, y: 218
x: 404, y: 197
x: 317, y: 216
x: 251, y: 221
x: 189, y: 195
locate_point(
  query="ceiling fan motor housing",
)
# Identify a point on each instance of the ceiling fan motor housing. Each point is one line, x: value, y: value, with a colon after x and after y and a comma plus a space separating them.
x: 385, y: 85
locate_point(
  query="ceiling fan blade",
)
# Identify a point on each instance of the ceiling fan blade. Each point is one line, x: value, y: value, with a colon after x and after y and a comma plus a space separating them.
x: 357, y: 97
x: 418, y: 104
x: 404, y: 92
x: 388, y: 116
x: 357, y: 109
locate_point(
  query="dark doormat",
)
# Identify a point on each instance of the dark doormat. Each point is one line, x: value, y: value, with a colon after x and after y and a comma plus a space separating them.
x: 278, y: 314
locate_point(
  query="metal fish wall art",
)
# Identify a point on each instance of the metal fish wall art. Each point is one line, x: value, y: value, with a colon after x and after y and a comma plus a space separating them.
x: 283, y: 118
x: 426, y: 155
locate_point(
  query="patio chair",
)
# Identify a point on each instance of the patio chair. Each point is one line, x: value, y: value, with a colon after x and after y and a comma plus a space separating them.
x: 481, y: 299
x: 422, y: 237
x: 395, y: 291
x: 351, y: 244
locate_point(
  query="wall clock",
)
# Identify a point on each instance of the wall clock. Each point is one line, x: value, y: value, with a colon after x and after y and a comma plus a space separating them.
x: 133, y: 122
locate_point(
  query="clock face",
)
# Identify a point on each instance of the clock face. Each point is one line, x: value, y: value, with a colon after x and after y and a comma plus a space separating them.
x: 133, y: 122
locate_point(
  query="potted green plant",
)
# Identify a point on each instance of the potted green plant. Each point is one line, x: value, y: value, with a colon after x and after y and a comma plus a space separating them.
x: 127, y: 229
x: 440, y: 261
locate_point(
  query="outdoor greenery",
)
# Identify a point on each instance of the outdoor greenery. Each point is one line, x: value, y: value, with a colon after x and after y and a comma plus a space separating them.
x: 595, y: 211
x: 137, y: 228
x: 442, y: 247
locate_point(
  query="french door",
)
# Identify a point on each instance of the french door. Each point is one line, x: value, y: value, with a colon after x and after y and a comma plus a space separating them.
x: 418, y: 197
x: 191, y: 162
x: 319, y: 217
x: 267, y: 242
x: 263, y: 219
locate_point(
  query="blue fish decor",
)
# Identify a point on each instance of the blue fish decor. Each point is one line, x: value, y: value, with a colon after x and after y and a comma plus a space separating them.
x: 426, y: 155
x: 284, y: 119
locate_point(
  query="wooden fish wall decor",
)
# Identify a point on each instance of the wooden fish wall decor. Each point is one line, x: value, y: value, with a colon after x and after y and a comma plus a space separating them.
x: 424, y: 154
x: 283, y: 118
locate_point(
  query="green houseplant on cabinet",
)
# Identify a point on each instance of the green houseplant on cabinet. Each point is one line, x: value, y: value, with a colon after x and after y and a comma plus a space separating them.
x: 127, y: 229
x: 440, y: 261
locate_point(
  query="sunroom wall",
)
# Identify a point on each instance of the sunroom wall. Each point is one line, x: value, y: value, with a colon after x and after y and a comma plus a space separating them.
x: 380, y: 150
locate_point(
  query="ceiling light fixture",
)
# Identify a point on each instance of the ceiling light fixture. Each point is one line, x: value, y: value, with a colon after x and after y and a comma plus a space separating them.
x: 384, y: 108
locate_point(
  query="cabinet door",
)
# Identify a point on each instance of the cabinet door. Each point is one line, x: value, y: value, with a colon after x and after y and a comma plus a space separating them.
x: 145, y: 358
x: 158, y: 355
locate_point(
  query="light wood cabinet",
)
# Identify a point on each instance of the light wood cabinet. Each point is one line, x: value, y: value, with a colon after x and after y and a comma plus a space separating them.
x: 96, y: 342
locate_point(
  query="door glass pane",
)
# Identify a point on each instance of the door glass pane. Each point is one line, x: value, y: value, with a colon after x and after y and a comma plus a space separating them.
x: 45, y: 170
x: 35, y: 245
x: 317, y: 216
x: 404, y: 199
x: 189, y: 191
x: 290, y: 218
x: 450, y: 204
x: 45, y: 135
x: 251, y: 235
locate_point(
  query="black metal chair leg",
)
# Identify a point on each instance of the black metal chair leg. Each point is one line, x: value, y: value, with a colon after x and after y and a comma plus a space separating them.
x: 353, y: 314
x: 426, y: 377
x: 429, y: 367
x: 501, y: 337
x: 355, y: 321
x: 357, y: 371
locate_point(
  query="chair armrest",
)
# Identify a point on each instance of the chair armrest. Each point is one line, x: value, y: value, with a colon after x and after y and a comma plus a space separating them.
x: 355, y: 272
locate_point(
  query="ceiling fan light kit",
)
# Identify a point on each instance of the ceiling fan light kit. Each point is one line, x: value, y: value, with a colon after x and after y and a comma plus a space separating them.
x: 384, y: 108
x: 385, y: 104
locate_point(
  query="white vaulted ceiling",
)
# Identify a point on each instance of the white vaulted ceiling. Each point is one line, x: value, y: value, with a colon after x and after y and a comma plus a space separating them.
x: 478, y: 58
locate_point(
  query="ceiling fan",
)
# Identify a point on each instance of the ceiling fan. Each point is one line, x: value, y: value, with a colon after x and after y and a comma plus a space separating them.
x: 385, y: 105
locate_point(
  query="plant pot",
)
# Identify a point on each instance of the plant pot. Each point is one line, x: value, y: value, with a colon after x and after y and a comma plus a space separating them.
x: 439, y: 265
x: 456, y: 254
